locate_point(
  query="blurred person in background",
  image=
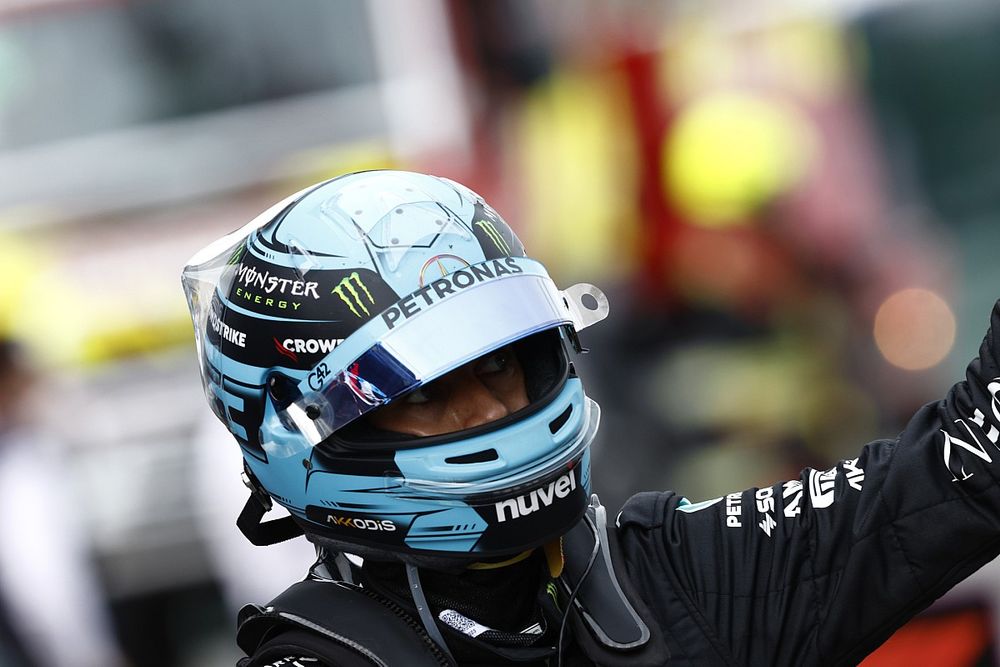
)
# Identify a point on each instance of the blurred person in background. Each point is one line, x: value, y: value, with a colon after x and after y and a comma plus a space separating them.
x: 52, y: 611
x: 398, y: 375
x: 12, y: 377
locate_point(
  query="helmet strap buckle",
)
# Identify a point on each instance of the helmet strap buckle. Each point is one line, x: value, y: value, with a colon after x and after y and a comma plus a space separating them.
x: 256, y: 488
x: 250, y: 521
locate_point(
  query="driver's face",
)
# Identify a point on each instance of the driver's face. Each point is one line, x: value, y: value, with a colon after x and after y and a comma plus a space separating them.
x: 477, y: 393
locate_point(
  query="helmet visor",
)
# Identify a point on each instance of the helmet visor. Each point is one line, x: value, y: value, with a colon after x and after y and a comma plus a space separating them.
x: 430, y: 332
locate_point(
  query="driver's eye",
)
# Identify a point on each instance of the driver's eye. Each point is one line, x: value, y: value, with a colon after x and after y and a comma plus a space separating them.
x: 493, y: 363
x: 416, y: 397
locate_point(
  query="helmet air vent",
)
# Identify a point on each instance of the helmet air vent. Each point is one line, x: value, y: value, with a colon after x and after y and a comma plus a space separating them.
x: 475, y: 457
x: 561, y: 420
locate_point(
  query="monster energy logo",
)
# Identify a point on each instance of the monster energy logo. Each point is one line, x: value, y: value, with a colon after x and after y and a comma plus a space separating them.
x: 494, y: 235
x: 237, y: 254
x: 347, y: 290
x: 550, y: 588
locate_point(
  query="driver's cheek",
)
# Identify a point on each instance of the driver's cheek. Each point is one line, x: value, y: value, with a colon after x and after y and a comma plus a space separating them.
x: 509, y: 388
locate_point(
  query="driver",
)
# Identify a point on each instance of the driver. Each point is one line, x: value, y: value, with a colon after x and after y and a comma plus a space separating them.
x: 399, y: 376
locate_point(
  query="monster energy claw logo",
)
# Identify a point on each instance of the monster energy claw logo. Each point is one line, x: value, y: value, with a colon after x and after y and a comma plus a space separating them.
x: 237, y: 255
x: 347, y: 290
x: 494, y: 235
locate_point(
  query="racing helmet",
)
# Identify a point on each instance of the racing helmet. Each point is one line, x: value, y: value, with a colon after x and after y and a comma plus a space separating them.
x: 355, y: 292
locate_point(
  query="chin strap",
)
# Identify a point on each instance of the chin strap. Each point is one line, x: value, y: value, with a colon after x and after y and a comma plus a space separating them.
x: 250, y: 522
x: 425, y: 611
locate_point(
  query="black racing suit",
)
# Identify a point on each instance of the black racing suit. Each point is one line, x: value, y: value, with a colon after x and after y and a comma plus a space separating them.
x: 822, y: 569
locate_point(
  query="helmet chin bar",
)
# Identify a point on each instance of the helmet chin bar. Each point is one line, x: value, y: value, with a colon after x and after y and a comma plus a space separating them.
x: 509, y: 523
x: 454, y: 562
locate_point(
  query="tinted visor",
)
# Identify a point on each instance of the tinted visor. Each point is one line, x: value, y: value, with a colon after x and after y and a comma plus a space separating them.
x: 430, y: 332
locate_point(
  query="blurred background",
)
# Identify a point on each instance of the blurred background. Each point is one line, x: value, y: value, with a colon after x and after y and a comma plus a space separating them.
x: 791, y: 205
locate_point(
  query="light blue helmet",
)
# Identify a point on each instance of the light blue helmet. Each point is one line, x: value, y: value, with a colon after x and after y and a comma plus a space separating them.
x: 355, y: 292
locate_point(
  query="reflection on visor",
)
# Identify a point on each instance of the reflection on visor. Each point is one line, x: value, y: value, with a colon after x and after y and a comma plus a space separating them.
x: 416, y: 341
x: 338, y: 400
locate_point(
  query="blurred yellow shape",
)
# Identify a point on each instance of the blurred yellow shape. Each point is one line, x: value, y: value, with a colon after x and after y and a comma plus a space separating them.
x: 74, y: 313
x: 732, y: 152
x: 20, y: 262
x: 914, y: 329
x: 578, y: 164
